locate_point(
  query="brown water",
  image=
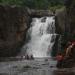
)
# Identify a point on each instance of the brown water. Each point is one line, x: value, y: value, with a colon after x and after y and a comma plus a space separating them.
x: 33, y: 67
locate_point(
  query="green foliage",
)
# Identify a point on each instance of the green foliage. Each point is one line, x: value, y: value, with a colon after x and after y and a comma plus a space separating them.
x: 56, y: 7
x: 36, y: 4
x: 11, y: 2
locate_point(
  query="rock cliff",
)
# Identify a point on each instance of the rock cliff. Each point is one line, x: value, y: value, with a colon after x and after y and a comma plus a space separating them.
x: 60, y: 20
x: 65, y: 20
x: 70, y: 10
x: 13, y: 26
x: 66, y: 24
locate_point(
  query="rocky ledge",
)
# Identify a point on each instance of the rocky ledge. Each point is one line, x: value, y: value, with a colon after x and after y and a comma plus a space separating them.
x: 40, y: 13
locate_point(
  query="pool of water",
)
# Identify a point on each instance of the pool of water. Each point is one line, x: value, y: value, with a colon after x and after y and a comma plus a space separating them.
x: 33, y: 67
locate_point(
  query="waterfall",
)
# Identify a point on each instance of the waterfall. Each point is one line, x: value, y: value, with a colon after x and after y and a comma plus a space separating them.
x: 41, y: 36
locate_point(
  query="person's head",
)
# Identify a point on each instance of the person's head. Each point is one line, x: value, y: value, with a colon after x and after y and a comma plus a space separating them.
x: 73, y: 43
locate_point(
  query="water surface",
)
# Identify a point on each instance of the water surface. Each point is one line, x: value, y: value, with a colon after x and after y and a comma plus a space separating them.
x: 33, y: 67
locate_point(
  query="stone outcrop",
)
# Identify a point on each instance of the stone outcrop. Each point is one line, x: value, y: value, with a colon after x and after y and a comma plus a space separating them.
x: 66, y: 24
x: 40, y: 13
x: 60, y: 20
x: 65, y: 19
x: 70, y: 21
x: 13, y: 26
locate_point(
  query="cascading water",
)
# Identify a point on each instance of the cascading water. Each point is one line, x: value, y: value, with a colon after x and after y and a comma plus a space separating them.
x: 42, y: 37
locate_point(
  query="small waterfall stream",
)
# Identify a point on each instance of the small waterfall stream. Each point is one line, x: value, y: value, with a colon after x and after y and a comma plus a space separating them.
x: 42, y: 37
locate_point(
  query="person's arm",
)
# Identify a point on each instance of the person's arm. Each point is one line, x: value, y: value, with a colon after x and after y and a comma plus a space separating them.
x: 68, y: 50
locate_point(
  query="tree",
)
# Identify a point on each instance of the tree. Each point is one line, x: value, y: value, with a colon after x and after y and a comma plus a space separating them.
x: 35, y: 4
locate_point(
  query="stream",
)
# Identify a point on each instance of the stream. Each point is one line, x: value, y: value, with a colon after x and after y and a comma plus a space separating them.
x: 38, y: 66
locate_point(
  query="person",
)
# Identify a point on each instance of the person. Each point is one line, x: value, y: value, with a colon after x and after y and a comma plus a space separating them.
x: 59, y: 58
x: 69, y: 54
x: 31, y: 57
x: 69, y: 49
x: 27, y: 57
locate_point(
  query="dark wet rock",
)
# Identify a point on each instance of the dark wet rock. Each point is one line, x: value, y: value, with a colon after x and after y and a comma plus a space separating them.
x: 66, y: 63
x: 63, y: 72
x: 31, y: 57
x: 13, y: 26
x: 60, y: 20
x: 40, y: 13
x: 53, y: 38
x: 55, y: 47
x: 71, y: 18
x: 27, y: 66
x: 15, y: 67
x: 46, y: 59
x: 35, y: 68
x: 51, y: 66
x: 65, y: 20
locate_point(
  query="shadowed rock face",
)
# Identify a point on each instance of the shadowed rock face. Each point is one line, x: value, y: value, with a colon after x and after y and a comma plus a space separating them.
x: 13, y: 27
x: 60, y: 20
x: 68, y: 21
x: 65, y: 19
x: 39, y: 13
x: 70, y: 9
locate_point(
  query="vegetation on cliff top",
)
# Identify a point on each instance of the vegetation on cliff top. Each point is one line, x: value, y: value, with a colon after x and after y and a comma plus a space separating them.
x: 35, y: 4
